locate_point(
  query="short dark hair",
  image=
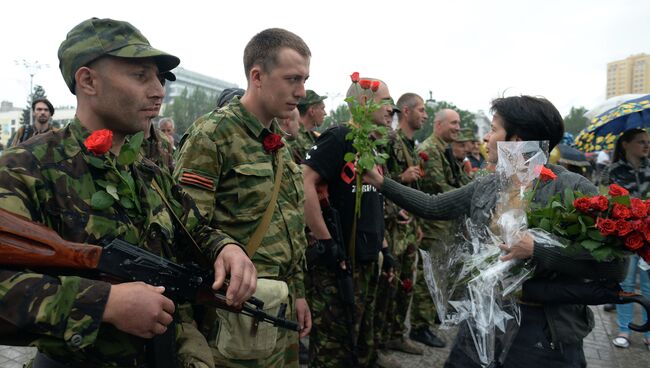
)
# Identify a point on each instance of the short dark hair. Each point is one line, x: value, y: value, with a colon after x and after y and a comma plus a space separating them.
x: 264, y: 47
x: 627, y: 136
x: 409, y: 100
x: 45, y: 101
x: 530, y: 118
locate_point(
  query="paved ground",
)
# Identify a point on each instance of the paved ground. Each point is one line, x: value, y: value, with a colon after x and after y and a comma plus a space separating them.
x: 598, y: 349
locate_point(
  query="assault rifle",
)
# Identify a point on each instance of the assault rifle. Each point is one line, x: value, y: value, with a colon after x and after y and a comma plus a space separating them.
x: 25, y: 244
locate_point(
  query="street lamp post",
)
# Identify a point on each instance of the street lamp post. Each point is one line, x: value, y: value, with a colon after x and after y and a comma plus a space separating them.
x: 32, y: 68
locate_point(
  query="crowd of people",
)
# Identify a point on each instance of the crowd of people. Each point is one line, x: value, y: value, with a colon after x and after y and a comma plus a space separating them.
x: 270, y: 204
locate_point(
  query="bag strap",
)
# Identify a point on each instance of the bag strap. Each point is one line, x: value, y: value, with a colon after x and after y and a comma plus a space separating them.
x: 409, y: 159
x: 195, y: 247
x: 256, y: 239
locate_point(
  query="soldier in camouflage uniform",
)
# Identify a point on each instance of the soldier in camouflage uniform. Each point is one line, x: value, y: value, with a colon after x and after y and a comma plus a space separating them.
x: 51, y: 179
x: 227, y: 163
x: 441, y: 174
x: 403, y: 165
x: 312, y: 115
x: 330, y: 343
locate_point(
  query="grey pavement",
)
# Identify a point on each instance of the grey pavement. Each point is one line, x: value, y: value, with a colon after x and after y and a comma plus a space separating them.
x: 599, y: 351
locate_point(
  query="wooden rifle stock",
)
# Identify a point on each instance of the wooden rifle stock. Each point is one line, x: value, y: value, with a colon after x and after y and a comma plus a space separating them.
x: 29, y: 244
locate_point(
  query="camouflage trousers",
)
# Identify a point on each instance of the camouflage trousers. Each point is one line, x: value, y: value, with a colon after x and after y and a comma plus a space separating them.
x: 329, y: 340
x: 423, y: 311
x: 394, y: 298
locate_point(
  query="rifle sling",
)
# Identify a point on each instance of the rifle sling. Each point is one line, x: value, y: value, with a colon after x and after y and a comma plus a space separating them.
x: 256, y: 239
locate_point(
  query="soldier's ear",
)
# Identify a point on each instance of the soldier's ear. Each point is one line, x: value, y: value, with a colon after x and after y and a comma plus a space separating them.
x: 85, y: 80
x: 256, y: 76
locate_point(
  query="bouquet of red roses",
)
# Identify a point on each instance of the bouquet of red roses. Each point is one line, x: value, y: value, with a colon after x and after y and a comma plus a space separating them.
x: 605, y: 226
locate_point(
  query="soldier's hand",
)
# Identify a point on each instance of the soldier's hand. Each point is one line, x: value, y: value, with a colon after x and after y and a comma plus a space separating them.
x: 243, y: 276
x: 411, y: 174
x: 138, y: 309
x: 304, y: 316
x: 405, y: 218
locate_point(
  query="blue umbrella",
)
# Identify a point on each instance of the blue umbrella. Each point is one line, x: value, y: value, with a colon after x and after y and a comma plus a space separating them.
x: 605, y: 128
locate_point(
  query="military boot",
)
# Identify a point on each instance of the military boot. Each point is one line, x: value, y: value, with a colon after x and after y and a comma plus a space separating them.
x: 405, y: 345
x: 385, y: 360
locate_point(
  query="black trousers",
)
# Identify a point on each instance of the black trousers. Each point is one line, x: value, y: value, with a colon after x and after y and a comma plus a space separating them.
x: 531, y: 347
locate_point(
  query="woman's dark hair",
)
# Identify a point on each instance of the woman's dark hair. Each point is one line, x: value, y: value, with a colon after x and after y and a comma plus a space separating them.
x: 530, y: 118
x: 45, y: 101
x: 627, y: 136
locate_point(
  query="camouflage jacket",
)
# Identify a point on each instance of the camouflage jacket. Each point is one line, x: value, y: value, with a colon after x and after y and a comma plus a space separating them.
x: 25, y: 132
x: 636, y: 181
x: 49, y: 180
x: 399, y: 148
x: 304, y: 141
x: 222, y: 164
x: 439, y: 177
x: 158, y: 149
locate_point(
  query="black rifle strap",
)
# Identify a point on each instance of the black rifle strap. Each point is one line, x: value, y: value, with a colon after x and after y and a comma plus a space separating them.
x: 161, y: 349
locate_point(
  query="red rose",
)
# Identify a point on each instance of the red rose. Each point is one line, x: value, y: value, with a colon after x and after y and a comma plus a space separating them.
x: 645, y: 230
x: 546, y: 174
x: 375, y: 86
x: 620, y: 211
x: 582, y: 204
x: 599, y: 203
x: 365, y: 83
x: 637, y: 207
x: 606, y: 226
x: 407, y: 285
x: 99, y: 142
x: 634, y: 241
x: 423, y: 156
x: 272, y: 142
x: 647, y: 206
x: 355, y: 77
x: 623, y: 227
x: 617, y: 191
x: 637, y: 225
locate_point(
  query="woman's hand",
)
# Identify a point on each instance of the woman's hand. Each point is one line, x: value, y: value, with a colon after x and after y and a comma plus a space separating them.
x: 523, y: 249
x: 374, y: 177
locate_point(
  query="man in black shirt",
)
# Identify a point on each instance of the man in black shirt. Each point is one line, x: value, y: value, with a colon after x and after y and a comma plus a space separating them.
x: 332, y: 344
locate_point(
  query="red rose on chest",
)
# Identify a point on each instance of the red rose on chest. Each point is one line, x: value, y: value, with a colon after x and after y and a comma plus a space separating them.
x: 99, y: 142
x: 272, y: 142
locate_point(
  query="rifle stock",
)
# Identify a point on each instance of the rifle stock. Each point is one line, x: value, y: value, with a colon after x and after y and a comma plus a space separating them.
x: 27, y: 244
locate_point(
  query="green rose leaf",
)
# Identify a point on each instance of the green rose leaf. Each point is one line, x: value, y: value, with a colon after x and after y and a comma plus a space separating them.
x: 127, y: 203
x: 130, y: 149
x: 97, y: 162
x: 349, y: 157
x: 568, y: 198
x: 112, y: 191
x: 591, y: 245
x: 602, y: 254
x: 596, y: 235
x: 624, y: 200
x: 101, y: 200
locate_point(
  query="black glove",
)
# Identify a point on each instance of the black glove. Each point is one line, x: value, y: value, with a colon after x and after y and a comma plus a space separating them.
x: 390, y: 263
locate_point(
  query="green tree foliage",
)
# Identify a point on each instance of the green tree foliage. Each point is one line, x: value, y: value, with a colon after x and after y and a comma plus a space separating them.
x: 37, y: 93
x: 339, y: 116
x: 432, y: 107
x: 576, y: 120
x: 186, y: 108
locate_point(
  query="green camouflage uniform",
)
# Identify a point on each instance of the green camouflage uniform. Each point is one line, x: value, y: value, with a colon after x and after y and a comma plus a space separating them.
x: 236, y: 176
x: 49, y: 180
x: 158, y: 149
x: 304, y: 142
x: 393, y: 298
x: 439, y: 177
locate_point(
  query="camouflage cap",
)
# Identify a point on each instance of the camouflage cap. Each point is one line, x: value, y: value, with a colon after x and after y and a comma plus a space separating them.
x: 311, y: 98
x: 95, y: 37
x: 466, y: 135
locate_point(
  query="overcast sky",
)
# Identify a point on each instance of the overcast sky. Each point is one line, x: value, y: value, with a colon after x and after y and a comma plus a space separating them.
x: 465, y: 52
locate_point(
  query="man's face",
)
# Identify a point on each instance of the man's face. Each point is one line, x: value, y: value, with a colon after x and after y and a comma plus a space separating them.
x: 318, y: 113
x: 291, y: 125
x: 449, y: 126
x: 284, y: 85
x: 128, y: 95
x: 383, y: 116
x: 41, y: 113
x: 458, y: 150
x: 167, y: 128
x: 417, y: 116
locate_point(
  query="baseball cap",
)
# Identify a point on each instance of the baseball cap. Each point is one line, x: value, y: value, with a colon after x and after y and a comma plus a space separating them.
x: 311, y: 98
x: 94, y: 38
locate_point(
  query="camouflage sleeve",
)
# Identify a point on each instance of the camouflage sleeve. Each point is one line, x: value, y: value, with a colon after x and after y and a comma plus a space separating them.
x: 66, y: 307
x: 197, y: 169
x: 435, y: 174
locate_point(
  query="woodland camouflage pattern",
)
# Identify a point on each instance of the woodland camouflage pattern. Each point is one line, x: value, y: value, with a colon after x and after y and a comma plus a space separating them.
x: 303, y: 142
x: 223, y: 166
x: 393, y: 299
x: 49, y: 180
